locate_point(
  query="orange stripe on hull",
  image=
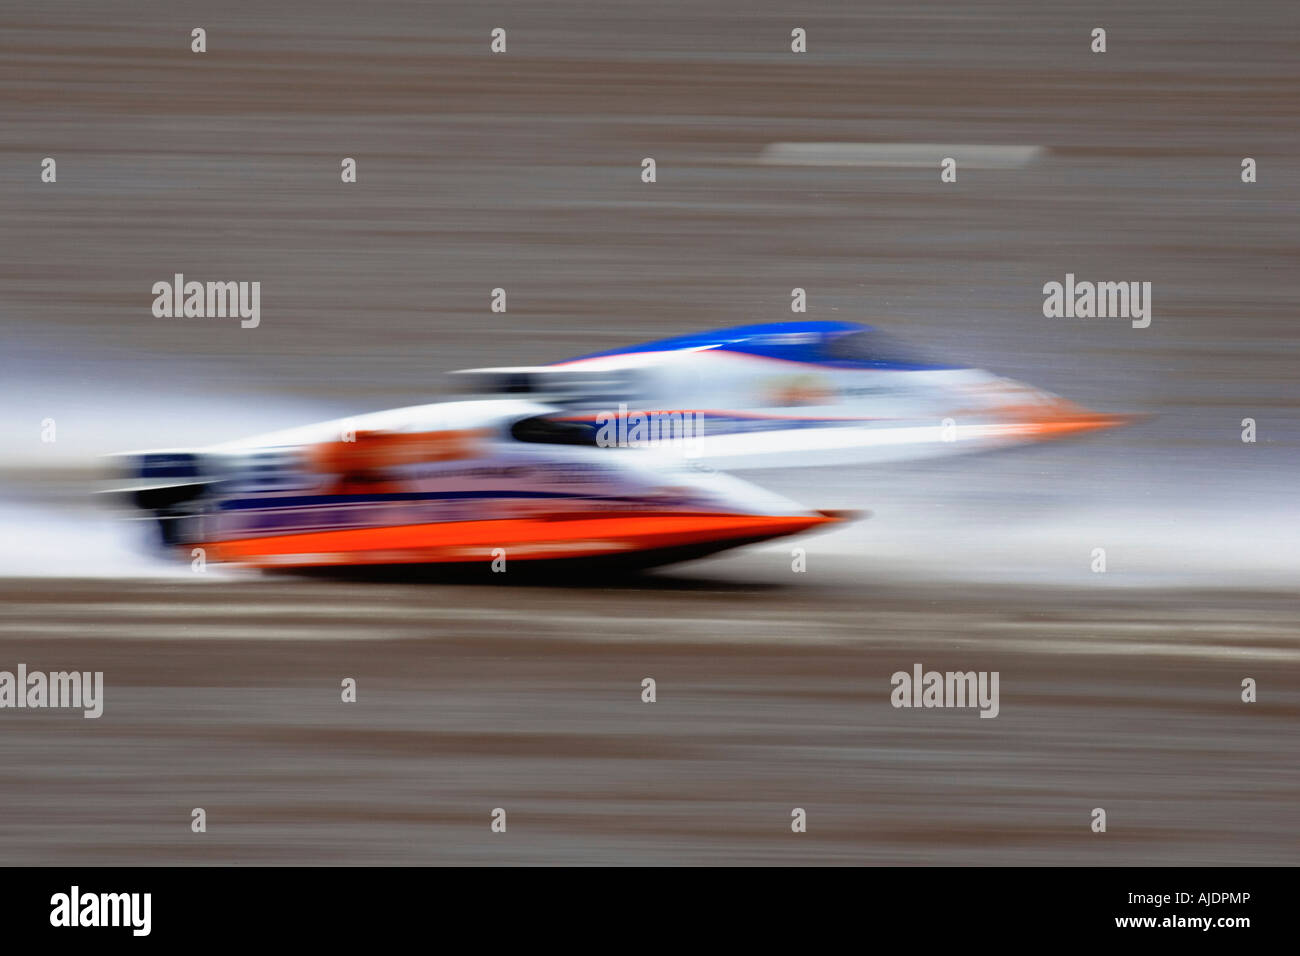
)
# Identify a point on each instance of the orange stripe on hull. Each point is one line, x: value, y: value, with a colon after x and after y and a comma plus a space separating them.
x: 524, y: 539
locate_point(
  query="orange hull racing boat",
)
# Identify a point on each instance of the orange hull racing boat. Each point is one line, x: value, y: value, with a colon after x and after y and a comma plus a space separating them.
x: 613, y: 460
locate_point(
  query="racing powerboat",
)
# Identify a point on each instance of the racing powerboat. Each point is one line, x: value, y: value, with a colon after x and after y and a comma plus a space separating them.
x: 615, y: 459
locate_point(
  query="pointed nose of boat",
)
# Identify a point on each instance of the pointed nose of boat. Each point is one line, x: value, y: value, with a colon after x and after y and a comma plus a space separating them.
x: 1067, y: 419
x: 1030, y: 414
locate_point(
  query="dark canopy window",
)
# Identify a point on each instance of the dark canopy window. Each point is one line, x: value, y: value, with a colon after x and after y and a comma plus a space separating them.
x: 877, y: 348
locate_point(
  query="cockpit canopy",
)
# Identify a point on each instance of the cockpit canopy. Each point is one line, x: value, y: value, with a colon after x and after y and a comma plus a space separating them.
x: 833, y: 344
